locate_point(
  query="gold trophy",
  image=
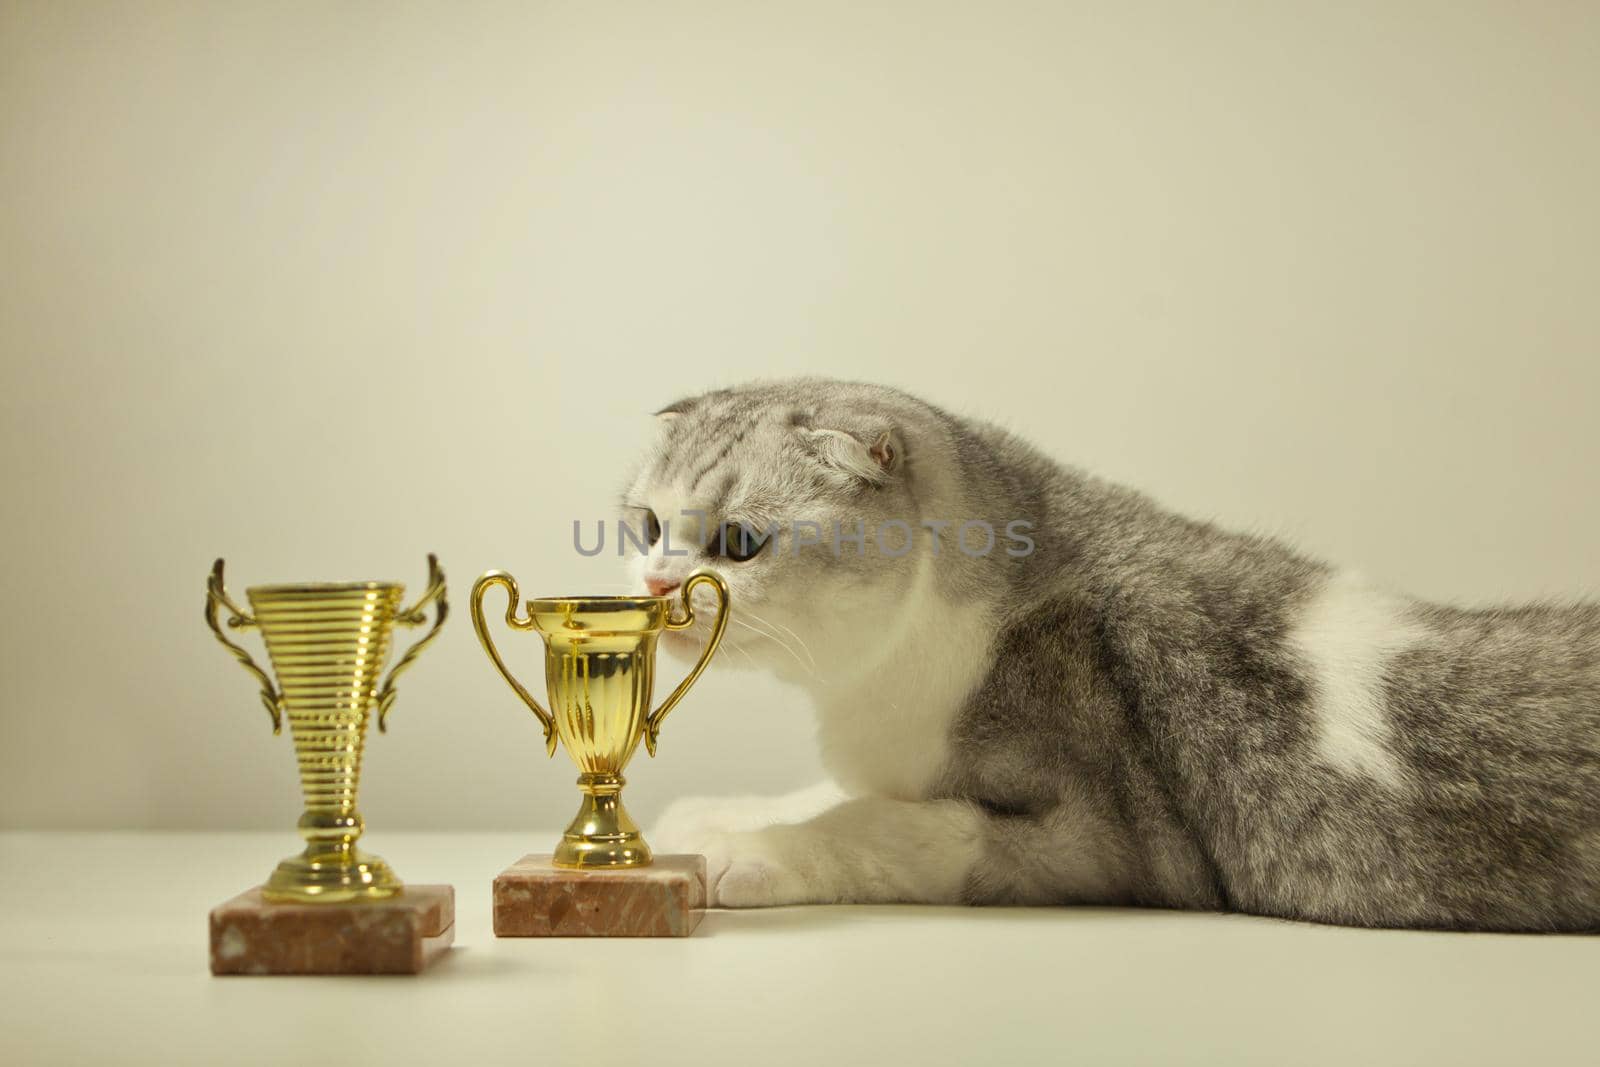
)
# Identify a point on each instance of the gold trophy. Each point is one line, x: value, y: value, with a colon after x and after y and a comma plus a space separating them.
x: 599, y: 668
x: 328, y: 643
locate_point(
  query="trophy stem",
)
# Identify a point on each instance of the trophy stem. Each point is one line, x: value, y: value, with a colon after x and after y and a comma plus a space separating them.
x: 603, y: 834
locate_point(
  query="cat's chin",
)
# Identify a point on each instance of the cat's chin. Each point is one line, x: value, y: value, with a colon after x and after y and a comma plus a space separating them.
x: 685, y: 647
x: 683, y: 644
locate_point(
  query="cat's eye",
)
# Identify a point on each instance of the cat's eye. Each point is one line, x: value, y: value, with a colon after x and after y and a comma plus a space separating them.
x: 740, y: 542
x: 652, y: 526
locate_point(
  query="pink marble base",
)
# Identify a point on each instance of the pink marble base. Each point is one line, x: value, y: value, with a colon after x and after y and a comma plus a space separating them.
x: 666, y: 899
x: 401, y: 935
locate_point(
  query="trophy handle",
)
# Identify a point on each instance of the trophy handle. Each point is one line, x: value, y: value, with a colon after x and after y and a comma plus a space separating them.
x: 217, y: 596
x: 415, y: 616
x: 480, y: 587
x: 701, y: 576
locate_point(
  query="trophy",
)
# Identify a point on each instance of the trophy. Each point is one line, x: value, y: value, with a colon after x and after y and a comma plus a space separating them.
x: 599, y: 666
x: 328, y: 643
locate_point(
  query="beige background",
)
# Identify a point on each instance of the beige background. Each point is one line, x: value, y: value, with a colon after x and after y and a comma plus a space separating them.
x: 324, y: 287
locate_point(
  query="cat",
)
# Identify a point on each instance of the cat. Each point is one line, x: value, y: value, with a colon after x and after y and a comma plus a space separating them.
x: 1034, y: 687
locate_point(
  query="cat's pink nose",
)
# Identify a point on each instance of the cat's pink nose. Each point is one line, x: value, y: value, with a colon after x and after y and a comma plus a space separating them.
x: 661, y: 586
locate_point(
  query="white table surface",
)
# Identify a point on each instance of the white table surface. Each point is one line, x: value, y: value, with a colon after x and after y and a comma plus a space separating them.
x: 103, y: 959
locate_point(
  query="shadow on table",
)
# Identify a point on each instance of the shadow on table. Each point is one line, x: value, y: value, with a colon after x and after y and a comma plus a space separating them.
x: 722, y: 922
x: 474, y: 961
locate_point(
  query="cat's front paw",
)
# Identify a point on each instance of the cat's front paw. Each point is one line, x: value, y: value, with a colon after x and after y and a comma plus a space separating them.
x: 690, y: 823
x: 745, y: 870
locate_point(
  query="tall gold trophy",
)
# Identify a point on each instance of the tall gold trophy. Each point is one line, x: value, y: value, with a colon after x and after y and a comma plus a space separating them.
x: 328, y: 643
x: 599, y: 667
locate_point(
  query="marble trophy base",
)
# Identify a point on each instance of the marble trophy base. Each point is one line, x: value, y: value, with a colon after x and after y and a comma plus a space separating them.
x: 533, y: 898
x: 399, y: 935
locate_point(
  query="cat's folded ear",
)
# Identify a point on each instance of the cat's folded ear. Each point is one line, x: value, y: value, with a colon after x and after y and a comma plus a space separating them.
x: 873, y: 455
x: 676, y: 408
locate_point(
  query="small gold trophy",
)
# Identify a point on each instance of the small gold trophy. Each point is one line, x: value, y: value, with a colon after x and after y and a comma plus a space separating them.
x: 599, y: 667
x: 328, y: 643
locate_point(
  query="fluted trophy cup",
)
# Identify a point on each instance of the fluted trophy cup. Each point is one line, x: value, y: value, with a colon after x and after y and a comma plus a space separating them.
x: 328, y: 643
x: 599, y: 673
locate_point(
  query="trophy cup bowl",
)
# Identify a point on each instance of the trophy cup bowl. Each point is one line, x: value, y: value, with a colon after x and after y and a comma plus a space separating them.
x: 599, y: 665
x: 328, y: 643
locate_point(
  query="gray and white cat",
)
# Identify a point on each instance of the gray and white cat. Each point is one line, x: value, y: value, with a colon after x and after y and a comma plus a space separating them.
x: 1112, y: 704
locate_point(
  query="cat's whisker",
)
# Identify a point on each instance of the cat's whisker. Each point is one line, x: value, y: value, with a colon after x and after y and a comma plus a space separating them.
x: 748, y: 658
x: 751, y: 660
x: 775, y: 639
x: 780, y: 626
